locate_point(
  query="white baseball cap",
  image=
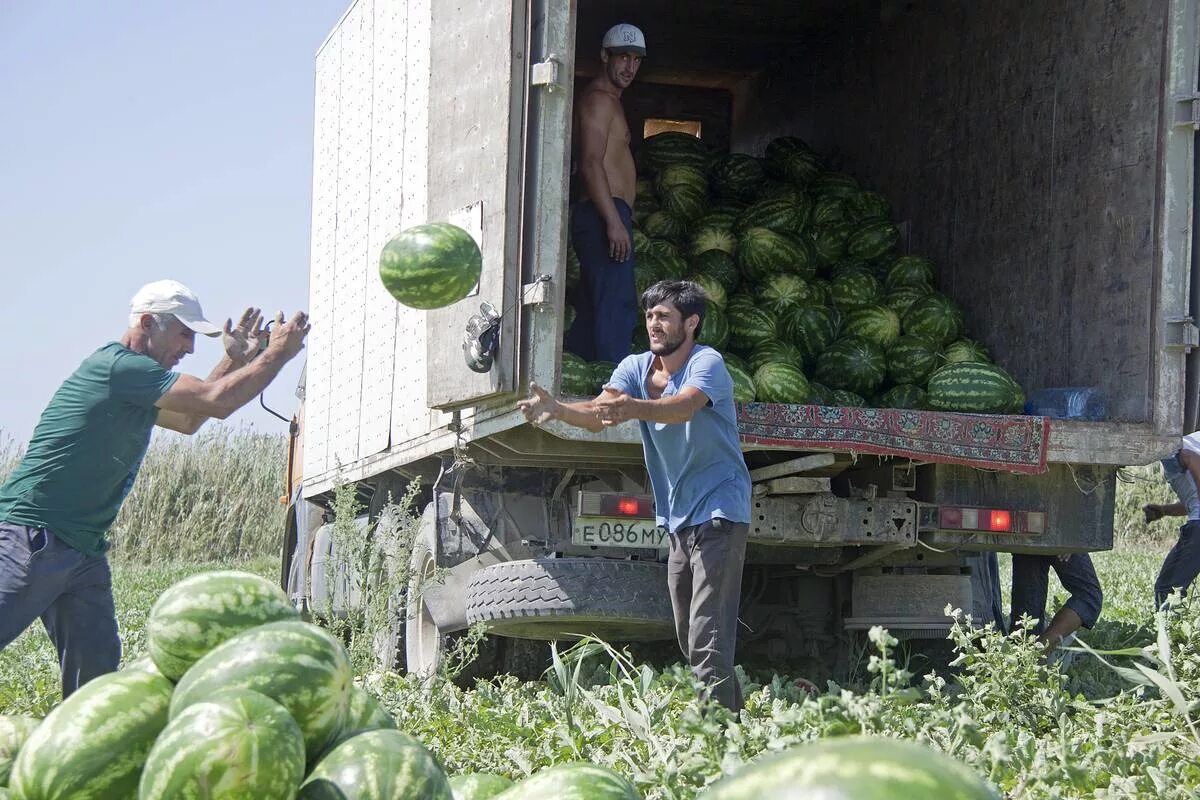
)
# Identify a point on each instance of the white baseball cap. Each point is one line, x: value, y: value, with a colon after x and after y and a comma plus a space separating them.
x: 172, y: 297
x: 625, y: 38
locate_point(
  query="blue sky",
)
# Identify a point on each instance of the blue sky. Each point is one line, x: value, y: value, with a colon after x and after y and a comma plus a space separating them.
x: 144, y: 141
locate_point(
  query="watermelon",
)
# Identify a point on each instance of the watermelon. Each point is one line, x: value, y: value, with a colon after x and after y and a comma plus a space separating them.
x: 822, y: 291
x: 202, y: 611
x: 867, y: 205
x: 572, y: 781
x: 727, y: 206
x: 14, y: 730
x: 668, y: 263
x: 736, y: 360
x: 708, y: 236
x: 819, y: 394
x: 911, y: 359
x: 478, y: 785
x: 801, y: 168
x: 645, y: 275
x: 810, y: 328
x: 833, y: 184
x: 665, y: 225
x: 966, y: 350
x: 780, y: 215
x: 852, y: 768
x: 875, y: 323
x: 901, y: 299
x: 750, y: 327
x: 775, y: 382
x: 717, y: 264
x: 237, y: 743
x: 575, y: 272
x: 935, y: 316
x: 743, y: 382
x: 714, y: 331
x: 740, y: 303
x: 675, y: 175
x: 974, y: 387
x: 568, y: 317
x: 377, y: 765
x: 297, y: 664
x: 601, y: 372
x: 829, y: 240
x: 737, y: 175
x: 576, y: 376
x: 783, y: 291
x: 904, y: 395
x: 779, y: 149
x: 910, y: 271
x: 719, y: 216
x: 775, y: 351
x: 685, y: 201
x: 762, y: 251
x: 828, y: 210
x: 672, y: 147
x: 781, y: 190
x: 431, y: 265
x: 144, y: 663
x: 95, y: 742
x: 852, y: 363
x: 854, y: 288
x: 846, y: 399
x: 713, y: 289
x: 872, y: 240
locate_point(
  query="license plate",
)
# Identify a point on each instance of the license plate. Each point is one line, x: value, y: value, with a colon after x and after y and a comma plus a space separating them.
x: 617, y: 532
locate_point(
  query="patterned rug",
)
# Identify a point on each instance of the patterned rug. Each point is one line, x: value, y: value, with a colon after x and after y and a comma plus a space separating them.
x: 1009, y: 443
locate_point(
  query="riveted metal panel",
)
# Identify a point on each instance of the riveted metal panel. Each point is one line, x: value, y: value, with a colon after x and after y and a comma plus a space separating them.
x: 321, y: 256
x: 353, y: 209
x: 475, y: 126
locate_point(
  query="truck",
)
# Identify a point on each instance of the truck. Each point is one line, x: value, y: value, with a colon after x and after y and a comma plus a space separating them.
x: 1042, y: 154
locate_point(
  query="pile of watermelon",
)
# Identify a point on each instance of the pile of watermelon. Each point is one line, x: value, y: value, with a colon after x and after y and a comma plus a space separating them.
x: 810, y: 301
x: 239, y: 698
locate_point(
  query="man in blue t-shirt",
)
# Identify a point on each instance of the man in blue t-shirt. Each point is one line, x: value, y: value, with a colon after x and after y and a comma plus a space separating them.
x: 682, y: 397
x: 59, y: 502
x: 1182, y: 564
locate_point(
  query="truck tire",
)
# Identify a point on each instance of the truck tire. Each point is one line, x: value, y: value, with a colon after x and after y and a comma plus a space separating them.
x: 549, y: 598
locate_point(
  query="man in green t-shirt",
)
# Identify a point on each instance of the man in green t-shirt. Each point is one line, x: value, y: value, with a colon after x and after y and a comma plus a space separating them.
x: 59, y: 502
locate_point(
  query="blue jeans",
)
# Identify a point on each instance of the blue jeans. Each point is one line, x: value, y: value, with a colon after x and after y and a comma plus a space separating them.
x: 1181, y: 565
x: 1031, y: 581
x: 606, y: 300
x: 71, y: 593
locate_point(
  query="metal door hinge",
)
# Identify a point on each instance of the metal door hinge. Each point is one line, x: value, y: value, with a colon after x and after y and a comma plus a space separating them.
x: 1187, y: 111
x: 547, y: 73
x: 1182, y: 333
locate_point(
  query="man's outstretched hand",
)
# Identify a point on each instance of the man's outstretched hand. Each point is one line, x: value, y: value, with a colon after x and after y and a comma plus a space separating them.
x: 243, y: 341
x: 539, y: 407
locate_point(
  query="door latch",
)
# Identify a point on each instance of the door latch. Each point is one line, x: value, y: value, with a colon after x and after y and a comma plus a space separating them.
x: 1182, y: 334
x: 547, y: 73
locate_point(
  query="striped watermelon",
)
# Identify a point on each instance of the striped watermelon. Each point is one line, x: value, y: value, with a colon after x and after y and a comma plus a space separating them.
x: 478, y: 785
x: 802, y: 168
x: 973, y: 387
x: 752, y: 326
x: 675, y: 175
x: 834, y: 184
x: 202, y: 611
x: 719, y: 216
x: 875, y: 323
x: 431, y: 265
x: 743, y: 382
x: 719, y: 265
x: 672, y: 147
x: 780, y: 215
x: 901, y: 299
x: 576, y: 376
x: 935, y: 316
x: 819, y: 394
x: 829, y: 240
x: 775, y: 352
x: 235, y: 744
x: 782, y: 190
x: 665, y: 225
x: 846, y: 399
x: 684, y: 201
x: 911, y: 359
x: 297, y: 664
x: 14, y: 730
x: 727, y: 205
x: 740, y: 303
x: 854, y: 364
x: 575, y: 781
x: 810, y: 328
x: 779, y: 149
x: 783, y: 291
x: 867, y: 205
x: 775, y: 382
x: 377, y: 765
x: 762, y: 251
x: 707, y: 237
x: 966, y: 350
x: 365, y: 714
x: 601, y: 372
x: 872, y: 240
x: 854, y: 288
x: 910, y: 271
x: 904, y: 395
x: 828, y: 210
x: 668, y: 262
x: 95, y: 743
x: 569, y: 314
x: 714, y: 331
x: 852, y: 768
x: 823, y: 291
x: 713, y: 289
x: 575, y: 272
x: 735, y: 359
x: 738, y: 176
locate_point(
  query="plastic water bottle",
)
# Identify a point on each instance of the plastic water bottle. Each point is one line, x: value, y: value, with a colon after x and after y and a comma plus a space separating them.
x: 1072, y: 402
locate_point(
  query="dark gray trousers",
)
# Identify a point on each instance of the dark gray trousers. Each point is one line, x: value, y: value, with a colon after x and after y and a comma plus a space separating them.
x: 704, y: 575
x: 1181, y: 565
x: 41, y: 576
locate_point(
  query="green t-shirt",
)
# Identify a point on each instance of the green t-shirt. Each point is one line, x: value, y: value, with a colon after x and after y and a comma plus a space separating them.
x: 87, y: 447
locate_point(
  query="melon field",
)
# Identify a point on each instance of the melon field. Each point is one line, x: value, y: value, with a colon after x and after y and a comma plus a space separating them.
x: 1118, y: 720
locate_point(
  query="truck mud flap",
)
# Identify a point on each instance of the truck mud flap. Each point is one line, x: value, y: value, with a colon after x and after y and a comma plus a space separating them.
x: 555, y: 598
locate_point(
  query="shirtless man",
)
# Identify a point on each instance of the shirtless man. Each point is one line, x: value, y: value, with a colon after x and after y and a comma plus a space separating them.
x: 602, y: 223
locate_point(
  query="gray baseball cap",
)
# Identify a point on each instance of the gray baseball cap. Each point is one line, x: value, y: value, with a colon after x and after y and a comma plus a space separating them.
x: 625, y: 38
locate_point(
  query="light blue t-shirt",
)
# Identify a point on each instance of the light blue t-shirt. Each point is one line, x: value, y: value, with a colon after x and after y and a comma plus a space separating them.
x: 696, y: 468
x: 1181, y: 480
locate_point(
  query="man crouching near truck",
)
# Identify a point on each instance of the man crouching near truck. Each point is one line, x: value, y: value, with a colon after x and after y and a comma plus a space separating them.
x: 602, y: 223
x: 58, y: 504
x: 1182, y: 564
x: 682, y: 396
